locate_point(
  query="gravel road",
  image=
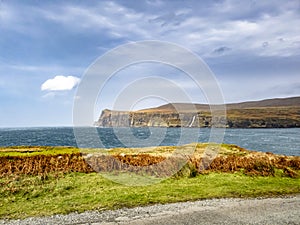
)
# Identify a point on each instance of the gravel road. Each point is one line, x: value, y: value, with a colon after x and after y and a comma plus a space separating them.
x: 283, y: 210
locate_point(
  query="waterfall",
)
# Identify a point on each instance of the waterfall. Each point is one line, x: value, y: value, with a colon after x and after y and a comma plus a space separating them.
x: 192, y: 121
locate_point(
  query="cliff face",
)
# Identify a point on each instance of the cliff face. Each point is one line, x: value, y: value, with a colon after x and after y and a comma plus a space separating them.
x: 282, y: 113
x: 110, y: 118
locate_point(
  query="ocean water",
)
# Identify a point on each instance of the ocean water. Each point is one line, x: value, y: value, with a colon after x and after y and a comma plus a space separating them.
x: 280, y: 141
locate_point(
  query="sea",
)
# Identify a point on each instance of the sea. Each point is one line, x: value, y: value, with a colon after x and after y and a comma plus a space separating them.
x: 279, y: 141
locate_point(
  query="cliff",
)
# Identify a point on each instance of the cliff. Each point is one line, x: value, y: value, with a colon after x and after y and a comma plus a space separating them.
x: 271, y: 113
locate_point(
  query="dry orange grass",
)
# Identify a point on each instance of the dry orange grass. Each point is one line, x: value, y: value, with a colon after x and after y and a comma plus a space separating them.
x: 43, y: 164
x: 263, y: 164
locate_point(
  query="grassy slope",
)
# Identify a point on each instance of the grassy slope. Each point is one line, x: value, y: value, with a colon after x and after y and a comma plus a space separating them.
x: 223, y: 149
x: 288, y: 112
x: 264, y: 113
x: 34, y: 196
x: 23, y: 196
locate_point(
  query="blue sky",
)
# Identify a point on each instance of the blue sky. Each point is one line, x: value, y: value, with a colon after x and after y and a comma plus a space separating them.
x: 252, y: 47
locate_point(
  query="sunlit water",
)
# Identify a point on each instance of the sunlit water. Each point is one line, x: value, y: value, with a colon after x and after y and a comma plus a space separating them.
x: 280, y: 141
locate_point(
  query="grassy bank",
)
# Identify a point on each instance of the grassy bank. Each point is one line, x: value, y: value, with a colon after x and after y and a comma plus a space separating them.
x: 37, y: 181
x: 161, y: 161
x: 24, y: 196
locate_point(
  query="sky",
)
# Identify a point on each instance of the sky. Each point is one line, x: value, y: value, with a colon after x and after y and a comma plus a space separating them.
x: 46, y: 47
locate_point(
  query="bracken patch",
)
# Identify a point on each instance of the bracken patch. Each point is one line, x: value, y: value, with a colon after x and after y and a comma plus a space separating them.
x: 262, y: 164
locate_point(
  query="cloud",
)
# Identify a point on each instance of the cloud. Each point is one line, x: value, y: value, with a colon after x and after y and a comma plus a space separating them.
x: 198, y: 25
x: 108, y: 18
x: 60, y: 83
x: 221, y: 50
x: 168, y: 19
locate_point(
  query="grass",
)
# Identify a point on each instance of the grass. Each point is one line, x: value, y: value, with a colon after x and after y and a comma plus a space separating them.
x: 29, y: 187
x: 24, y: 196
x: 158, y: 150
x: 291, y: 112
x: 193, y: 148
x: 36, y: 150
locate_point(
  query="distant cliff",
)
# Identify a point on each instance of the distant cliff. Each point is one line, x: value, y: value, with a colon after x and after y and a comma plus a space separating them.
x: 271, y: 113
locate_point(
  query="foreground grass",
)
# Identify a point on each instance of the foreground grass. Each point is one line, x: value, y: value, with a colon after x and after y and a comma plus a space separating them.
x: 25, y: 196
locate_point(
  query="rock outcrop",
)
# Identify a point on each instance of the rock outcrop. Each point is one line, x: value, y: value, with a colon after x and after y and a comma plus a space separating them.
x: 274, y: 113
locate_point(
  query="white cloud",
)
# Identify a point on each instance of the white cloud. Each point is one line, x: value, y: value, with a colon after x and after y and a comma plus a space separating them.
x: 106, y: 17
x: 60, y: 83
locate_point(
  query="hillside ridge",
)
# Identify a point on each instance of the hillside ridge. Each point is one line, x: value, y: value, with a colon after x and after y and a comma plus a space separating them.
x: 275, y: 102
x: 268, y: 113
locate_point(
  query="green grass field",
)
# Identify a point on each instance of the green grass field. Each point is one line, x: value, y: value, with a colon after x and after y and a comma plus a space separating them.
x: 65, y: 191
x: 25, y: 196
